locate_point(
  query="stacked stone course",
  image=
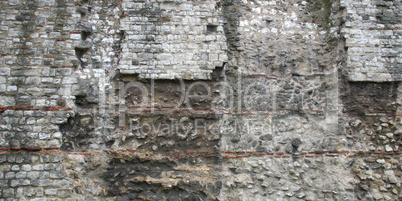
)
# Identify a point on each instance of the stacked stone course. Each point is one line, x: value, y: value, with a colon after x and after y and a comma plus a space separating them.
x: 172, y: 39
x: 373, y: 37
x: 296, y: 100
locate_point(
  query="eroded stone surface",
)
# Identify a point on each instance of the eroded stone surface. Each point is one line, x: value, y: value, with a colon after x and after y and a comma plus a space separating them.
x: 200, y: 100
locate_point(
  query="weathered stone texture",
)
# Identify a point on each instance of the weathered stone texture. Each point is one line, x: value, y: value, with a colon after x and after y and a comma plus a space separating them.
x: 29, y: 176
x: 280, y: 37
x: 200, y: 100
x: 372, y: 30
x: 172, y: 39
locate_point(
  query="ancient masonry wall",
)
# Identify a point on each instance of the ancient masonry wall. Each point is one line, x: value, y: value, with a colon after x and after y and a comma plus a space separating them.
x: 200, y: 100
x: 372, y: 31
x: 170, y: 39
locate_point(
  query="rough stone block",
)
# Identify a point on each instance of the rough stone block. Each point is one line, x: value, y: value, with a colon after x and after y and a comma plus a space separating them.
x: 50, y: 191
x: 5, y: 71
x: 8, y: 193
x: 41, y: 182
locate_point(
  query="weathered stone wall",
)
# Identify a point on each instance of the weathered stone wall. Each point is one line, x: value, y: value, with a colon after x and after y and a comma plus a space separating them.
x: 171, y: 39
x: 33, y: 176
x: 372, y: 31
x: 280, y: 37
x: 200, y: 100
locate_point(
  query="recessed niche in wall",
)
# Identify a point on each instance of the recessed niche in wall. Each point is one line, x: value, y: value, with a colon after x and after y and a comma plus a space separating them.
x: 211, y: 28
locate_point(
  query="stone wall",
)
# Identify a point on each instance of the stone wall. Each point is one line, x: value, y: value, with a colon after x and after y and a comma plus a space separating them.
x: 171, y: 39
x: 200, y: 100
x: 372, y: 31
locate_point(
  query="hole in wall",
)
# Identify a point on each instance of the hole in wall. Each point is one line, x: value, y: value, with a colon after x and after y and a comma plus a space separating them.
x: 80, y: 100
x: 84, y: 35
x: 79, y: 53
x: 211, y: 28
x: 122, y: 35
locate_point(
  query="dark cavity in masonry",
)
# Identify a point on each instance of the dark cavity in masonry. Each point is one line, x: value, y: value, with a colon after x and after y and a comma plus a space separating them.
x: 80, y: 53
